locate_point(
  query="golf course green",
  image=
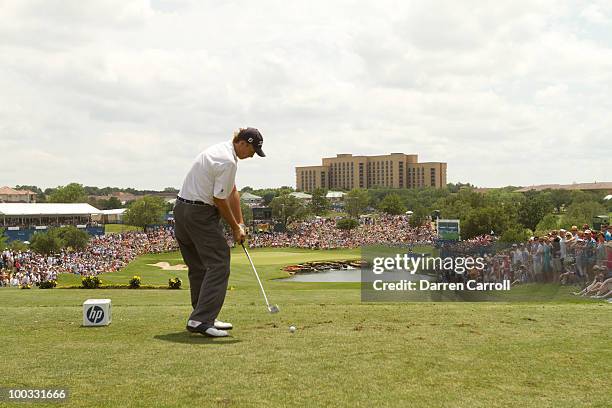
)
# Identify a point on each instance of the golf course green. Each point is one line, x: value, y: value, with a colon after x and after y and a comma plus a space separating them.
x: 344, y: 353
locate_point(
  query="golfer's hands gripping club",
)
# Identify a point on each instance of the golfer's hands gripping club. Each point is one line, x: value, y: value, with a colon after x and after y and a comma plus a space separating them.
x: 239, y: 233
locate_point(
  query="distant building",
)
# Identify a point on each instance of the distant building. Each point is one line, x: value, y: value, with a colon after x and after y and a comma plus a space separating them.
x: 114, y: 216
x: 22, y: 220
x: 45, y: 214
x: 395, y: 170
x: 301, y: 196
x: 251, y: 200
x: 10, y: 195
x: 335, y: 196
x: 602, y: 186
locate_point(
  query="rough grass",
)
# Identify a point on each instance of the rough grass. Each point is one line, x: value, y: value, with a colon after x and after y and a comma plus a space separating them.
x: 344, y: 353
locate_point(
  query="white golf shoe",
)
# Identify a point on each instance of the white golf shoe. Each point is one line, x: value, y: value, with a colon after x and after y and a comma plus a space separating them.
x: 194, y: 327
x: 223, y: 325
x: 213, y: 332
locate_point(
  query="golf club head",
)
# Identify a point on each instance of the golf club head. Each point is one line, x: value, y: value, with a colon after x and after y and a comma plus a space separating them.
x: 273, y: 309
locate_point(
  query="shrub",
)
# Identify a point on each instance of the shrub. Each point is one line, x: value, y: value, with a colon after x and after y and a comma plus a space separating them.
x: 50, y: 284
x: 18, y: 246
x: 91, y: 282
x: 47, y: 242
x: 392, y: 204
x: 548, y: 223
x: 515, y: 235
x: 135, y: 282
x: 73, y: 237
x: 174, y: 283
x: 25, y: 286
x: 347, y: 224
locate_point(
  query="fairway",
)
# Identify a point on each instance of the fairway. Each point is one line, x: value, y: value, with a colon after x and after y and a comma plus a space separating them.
x: 344, y: 352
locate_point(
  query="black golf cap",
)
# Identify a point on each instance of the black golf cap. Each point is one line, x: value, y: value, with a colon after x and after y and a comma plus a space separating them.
x: 253, y: 137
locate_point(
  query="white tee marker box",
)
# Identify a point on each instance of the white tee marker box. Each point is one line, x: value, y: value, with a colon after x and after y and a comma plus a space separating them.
x: 97, y: 312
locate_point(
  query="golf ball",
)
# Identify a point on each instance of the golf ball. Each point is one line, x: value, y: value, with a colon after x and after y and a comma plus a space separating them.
x: 292, y: 329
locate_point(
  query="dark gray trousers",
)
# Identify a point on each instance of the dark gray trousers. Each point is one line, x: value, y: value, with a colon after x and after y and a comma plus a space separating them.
x: 202, y: 243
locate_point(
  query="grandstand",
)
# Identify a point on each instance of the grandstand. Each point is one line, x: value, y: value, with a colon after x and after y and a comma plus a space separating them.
x: 114, y: 216
x: 22, y: 220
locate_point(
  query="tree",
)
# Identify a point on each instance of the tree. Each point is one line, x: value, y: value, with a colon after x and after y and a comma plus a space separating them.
x: 355, y: 201
x: 144, y: 211
x: 608, y: 205
x: 580, y: 213
x: 246, y: 189
x: 419, y: 216
x: 285, y: 190
x: 72, y: 193
x: 319, y: 204
x: 247, y: 213
x: 17, y: 246
x: 481, y: 221
x: 112, y: 203
x: 548, y: 223
x: 171, y: 190
x: 268, y: 197
x: 454, y: 188
x: 287, y: 207
x: 47, y: 243
x: 534, y: 208
x: 392, y: 204
x: 3, y: 239
x: 91, y: 190
x: 515, y: 234
x: 560, y: 198
x: 452, y: 208
x: 347, y: 224
x: 73, y: 237
x: 581, y: 196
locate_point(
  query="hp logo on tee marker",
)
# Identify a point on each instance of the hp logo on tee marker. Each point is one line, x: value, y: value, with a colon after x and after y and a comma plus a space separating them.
x: 95, y: 314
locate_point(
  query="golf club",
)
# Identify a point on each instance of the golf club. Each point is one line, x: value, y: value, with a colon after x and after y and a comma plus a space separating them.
x: 271, y: 308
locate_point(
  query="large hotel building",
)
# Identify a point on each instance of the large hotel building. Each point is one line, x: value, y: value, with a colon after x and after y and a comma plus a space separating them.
x: 395, y: 170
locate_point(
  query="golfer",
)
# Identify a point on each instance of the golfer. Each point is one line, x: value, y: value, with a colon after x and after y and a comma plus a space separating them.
x: 209, y: 191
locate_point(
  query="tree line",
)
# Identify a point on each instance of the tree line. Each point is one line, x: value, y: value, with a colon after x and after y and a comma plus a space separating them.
x: 507, y: 213
x: 78, y: 193
x: 504, y: 211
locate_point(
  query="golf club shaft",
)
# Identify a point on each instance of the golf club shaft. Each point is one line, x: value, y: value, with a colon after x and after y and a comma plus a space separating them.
x: 256, y: 275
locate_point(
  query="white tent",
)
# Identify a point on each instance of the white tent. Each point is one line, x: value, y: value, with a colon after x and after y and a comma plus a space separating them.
x: 110, y: 216
x: 43, y: 214
x: 248, y: 196
x: 335, y: 194
x: 301, y: 196
x: 44, y: 209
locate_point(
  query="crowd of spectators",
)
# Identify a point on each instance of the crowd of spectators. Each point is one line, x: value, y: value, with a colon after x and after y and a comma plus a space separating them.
x: 578, y: 256
x: 567, y: 257
x: 106, y: 253
x: 324, y: 234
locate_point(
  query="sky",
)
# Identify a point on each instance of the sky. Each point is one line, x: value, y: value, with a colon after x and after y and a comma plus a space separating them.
x: 127, y: 92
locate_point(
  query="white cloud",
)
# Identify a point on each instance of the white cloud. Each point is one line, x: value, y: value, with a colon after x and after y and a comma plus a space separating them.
x: 594, y: 14
x: 127, y: 92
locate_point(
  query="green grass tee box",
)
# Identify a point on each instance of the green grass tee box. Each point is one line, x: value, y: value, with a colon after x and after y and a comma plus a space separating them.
x: 344, y: 353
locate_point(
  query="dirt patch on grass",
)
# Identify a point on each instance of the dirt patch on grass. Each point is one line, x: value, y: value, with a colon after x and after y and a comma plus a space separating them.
x: 167, y: 267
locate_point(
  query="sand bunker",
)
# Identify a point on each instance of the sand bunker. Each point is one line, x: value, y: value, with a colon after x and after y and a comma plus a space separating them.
x: 167, y: 267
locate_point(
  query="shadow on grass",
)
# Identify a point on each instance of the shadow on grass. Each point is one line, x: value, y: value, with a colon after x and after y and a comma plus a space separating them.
x: 191, y: 338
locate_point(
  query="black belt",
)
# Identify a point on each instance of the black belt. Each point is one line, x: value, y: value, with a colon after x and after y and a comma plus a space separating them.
x: 191, y: 201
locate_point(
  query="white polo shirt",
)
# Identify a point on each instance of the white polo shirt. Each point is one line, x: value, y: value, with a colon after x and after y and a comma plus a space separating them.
x: 213, y: 174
